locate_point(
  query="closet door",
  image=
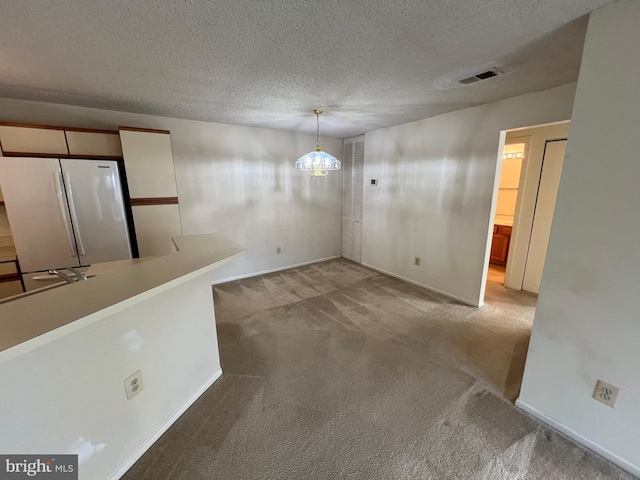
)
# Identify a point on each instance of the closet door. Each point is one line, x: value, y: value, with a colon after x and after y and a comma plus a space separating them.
x: 543, y: 216
x: 353, y: 190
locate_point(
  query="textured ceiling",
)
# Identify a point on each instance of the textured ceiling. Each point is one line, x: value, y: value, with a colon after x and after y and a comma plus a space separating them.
x: 370, y: 64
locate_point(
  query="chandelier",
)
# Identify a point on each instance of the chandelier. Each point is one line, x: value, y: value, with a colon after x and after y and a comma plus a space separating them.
x: 318, y: 163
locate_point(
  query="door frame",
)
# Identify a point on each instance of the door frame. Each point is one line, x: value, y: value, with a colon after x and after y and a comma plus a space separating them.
x: 527, y: 192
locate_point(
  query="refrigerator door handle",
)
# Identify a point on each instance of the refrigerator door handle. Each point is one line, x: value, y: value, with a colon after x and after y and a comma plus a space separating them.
x: 64, y: 214
x: 74, y: 216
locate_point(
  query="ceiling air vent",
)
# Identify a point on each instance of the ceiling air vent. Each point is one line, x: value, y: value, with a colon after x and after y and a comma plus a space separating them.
x: 480, y: 76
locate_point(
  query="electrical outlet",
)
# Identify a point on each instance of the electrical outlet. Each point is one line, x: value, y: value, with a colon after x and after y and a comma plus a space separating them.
x: 133, y: 385
x: 606, y: 393
x: 416, y: 261
x: 278, y: 250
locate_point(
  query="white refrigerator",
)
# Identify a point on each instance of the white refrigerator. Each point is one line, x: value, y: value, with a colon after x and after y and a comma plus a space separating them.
x: 64, y: 213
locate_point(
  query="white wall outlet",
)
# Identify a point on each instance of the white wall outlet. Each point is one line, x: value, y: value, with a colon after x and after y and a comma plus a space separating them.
x: 606, y: 393
x: 416, y: 261
x: 133, y: 385
x: 278, y: 250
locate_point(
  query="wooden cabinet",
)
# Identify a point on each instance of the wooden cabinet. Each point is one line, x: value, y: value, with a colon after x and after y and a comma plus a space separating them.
x: 500, y: 244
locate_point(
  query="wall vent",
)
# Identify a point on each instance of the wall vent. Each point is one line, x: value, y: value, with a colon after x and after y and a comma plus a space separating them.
x: 480, y: 76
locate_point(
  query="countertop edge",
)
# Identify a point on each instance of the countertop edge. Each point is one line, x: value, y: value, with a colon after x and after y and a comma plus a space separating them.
x: 197, y: 255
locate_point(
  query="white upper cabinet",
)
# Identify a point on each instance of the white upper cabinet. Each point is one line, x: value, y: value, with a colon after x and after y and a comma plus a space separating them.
x: 94, y: 144
x: 30, y: 140
x: 148, y: 160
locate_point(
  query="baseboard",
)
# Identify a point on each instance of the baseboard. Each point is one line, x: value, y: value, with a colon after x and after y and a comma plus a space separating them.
x: 426, y: 287
x: 273, y: 270
x: 136, y: 456
x: 579, y: 438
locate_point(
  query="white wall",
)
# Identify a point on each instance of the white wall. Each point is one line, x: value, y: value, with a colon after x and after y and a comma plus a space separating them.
x: 238, y: 181
x: 536, y: 139
x: 73, y: 387
x: 586, y: 325
x: 437, y: 179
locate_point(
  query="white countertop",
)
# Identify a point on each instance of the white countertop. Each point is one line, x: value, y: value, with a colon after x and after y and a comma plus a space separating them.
x: 28, y: 322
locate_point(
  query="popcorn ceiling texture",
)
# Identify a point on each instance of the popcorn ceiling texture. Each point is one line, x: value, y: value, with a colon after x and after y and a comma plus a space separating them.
x: 267, y: 64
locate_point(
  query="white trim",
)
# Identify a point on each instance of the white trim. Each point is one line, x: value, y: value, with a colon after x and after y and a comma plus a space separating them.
x: 272, y: 270
x: 552, y: 422
x: 147, y: 445
x: 426, y: 287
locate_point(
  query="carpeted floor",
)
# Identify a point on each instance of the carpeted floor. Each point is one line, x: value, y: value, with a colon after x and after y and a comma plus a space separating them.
x: 335, y: 371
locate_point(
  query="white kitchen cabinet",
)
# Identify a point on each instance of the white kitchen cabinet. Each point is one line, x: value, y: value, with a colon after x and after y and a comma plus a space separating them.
x: 33, y: 140
x: 148, y: 159
x: 94, y: 144
x: 155, y: 225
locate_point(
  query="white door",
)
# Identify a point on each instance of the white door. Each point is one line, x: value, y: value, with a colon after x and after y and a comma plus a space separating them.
x: 94, y: 195
x: 353, y: 191
x: 34, y: 197
x: 543, y: 216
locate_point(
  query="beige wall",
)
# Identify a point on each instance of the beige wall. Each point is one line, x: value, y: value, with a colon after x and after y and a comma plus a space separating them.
x: 586, y: 325
x: 238, y: 181
x: 438, y: 179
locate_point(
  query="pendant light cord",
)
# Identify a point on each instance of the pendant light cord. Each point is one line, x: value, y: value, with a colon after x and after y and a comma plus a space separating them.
x: 317, y: 111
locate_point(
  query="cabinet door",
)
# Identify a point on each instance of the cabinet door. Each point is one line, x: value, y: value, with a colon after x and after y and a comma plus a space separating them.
x: 155, y: 225
x: 500, y: 245
x: 148, y: 160
x: 34, y: 141
x: 543, y: 216
x: 499, y: 248
x: 94, y: 144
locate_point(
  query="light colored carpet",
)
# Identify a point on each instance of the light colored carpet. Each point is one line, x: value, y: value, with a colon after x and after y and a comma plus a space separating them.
x: 335, y: 371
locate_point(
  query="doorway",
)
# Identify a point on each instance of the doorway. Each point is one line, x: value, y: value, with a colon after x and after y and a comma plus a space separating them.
x: 513, y: 157
x: 535, y: 197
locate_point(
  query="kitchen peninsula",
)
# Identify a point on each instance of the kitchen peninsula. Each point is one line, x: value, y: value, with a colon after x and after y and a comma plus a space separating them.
x: 66, y: 352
